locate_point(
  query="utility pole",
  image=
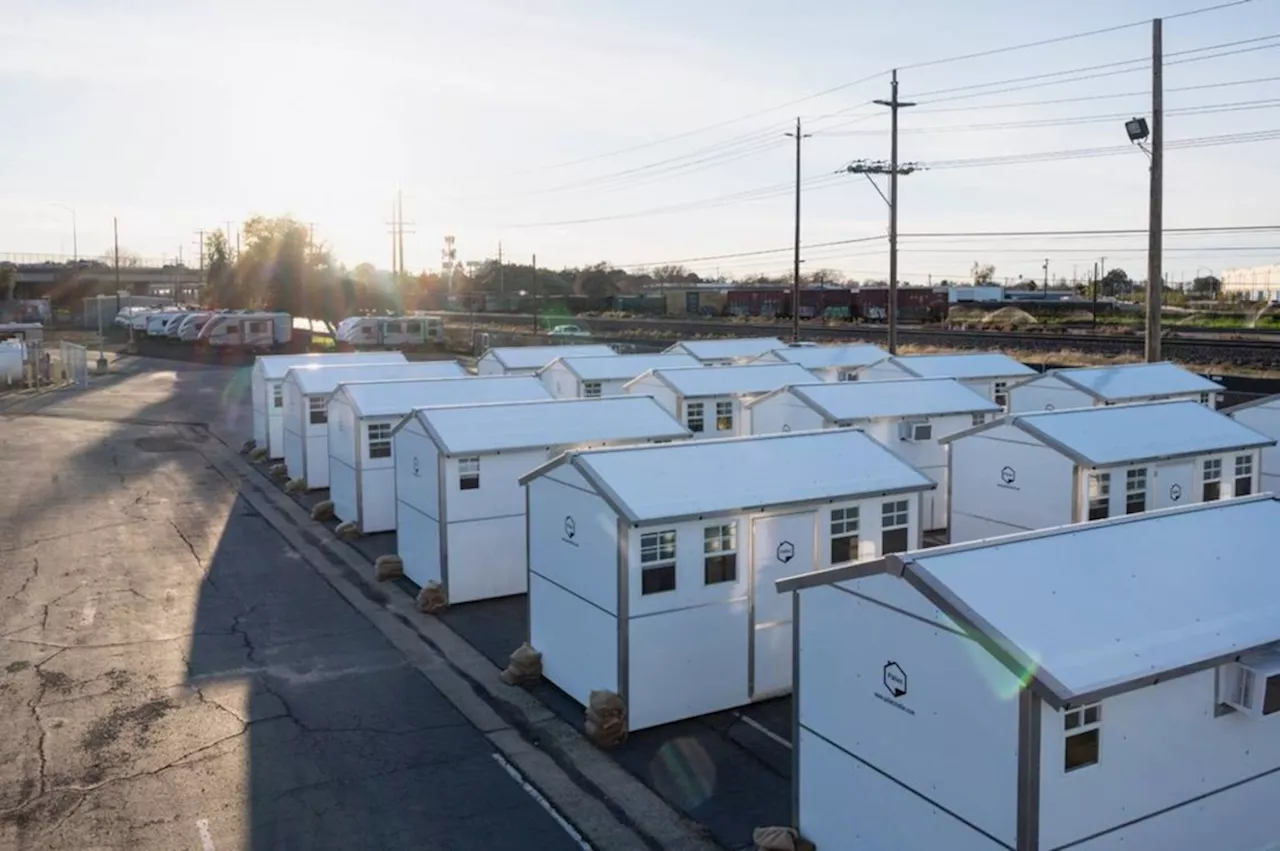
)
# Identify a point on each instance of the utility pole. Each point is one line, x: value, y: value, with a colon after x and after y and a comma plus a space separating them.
x: 795, y: 279
x: 1046, y: 273
x: 1095, y: 295
x: 534, y: 292
x: 1155, y: 235
x: 115, y: 235
x: 502, y: 272
x: 400, y: 236
x: 395, y: 230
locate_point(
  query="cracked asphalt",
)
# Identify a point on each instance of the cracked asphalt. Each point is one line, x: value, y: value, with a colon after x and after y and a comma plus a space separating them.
x: 174, y: 675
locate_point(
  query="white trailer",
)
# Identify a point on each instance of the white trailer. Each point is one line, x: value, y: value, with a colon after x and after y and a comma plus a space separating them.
x: 1263, y: 415
x: 829, y: 363
x: 726, y: 351
x: 1034, y: 471
x: 652, y: 569
x: 1103, y: 686
x: 710, y: 402
x: 459, y: 501
x: 1119, y: 384
x: 390, y: 331
x: 988, y: 373
x: 910, y: 417
x: 246, y: 330
x: 307, y: 390
x: 588, y: 378
x: 527, y: 360
x: 266, y: 386
x: 362, y: 415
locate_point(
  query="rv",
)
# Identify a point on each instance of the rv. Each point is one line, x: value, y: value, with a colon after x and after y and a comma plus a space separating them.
x: 246, y: 330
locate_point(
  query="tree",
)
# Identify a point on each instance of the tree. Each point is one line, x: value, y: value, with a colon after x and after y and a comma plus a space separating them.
x: 826, y: 276
x: 594, y: 281
x: 983, y: 273
x: 8, y: 280
x: 674, y: 274
x: 1208, y: 285
x: 221, y: 288
x: 1115, y: 283
x: 128, y: 259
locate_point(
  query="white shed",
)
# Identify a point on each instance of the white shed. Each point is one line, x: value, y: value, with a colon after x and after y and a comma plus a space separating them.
x: 459, y: 502
x: 1034, y: 471
x: 829, y: 363
x: 267, y: 389
x: 988, y: 373
x: 726, y: 350
x: 710, y: 401
x: 358, y: 449
x: 1122, y: 383
x: 910, y: 417
x: 306, y: 407
x: 527, y: 360
x: 652, y: 569
x: 1263, y: 415
x: 588, y: 378
x: 1098, y: 686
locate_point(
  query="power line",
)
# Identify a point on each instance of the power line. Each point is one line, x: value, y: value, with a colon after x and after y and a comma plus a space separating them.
x: 1216, y: 229
x: 755, y: 253
x: 1084, y: 98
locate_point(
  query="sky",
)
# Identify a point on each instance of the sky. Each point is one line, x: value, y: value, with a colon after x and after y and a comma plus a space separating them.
x: 638, y: 134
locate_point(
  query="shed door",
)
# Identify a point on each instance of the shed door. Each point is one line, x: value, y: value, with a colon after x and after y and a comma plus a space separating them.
x: 1174, y: 484
x: 780, y: 546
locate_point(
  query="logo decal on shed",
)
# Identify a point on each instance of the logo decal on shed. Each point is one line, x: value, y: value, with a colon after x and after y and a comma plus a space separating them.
x: 786, y: 551
x: 416, y: 471
x: 895, y: 686
x: 570, y: 530
x: 1008, y: 476
x: 1175, y: 493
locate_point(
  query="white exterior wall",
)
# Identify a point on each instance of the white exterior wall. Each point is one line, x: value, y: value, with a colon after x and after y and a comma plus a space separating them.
x: 275, y: 420
x: 343, y: 457
x: 1162, y: 777
x: 377, y: 481
x: 709, y: 430
x: 261, y: 403
x: 417, y: 492
x: 983, y: 505
x: 573, y: 586
x: 293, y: 432
x: 489, y: 365
x: 315, y: 444
x: 485, y: 528
x: 613, y: 387
x: 1186, y: 473
x: 927, y: 456
x: 560, y: 382
x: 784, y: 412
x: 1265, y: 418
x: 1047, y: 394
x: 884, y: 371
x: 661, y: 393
x: 951, y: 739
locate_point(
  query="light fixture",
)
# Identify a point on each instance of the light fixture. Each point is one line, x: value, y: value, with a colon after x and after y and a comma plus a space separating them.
x: 1137, y: 129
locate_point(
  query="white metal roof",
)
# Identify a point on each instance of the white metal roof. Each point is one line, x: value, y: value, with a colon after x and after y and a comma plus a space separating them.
x: 1260, y: 402
x: 536, y: 357
x: 846, y: 401
x: 701, y: 477
x: 325, y: 378
x: 1099, y: 437
x: 738, y: 380
x: 829, y: 357
x: 974, y: 365
x: 1135, y: 380
x: 732, y: 347
x: 399, y: 397
x: 623, y: 366
x: 476, y: 429
x: 274, y: 367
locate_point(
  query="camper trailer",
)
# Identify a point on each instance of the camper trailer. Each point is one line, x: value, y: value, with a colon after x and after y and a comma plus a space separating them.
x: 396, y: 332
x: 263, y: 331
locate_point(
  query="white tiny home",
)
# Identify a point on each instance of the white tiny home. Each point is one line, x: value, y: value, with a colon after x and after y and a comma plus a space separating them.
x: 829, y: 363
x: 459, y: 500
x: 307, y: 390
x: 266, y: 386
x: 727, y: 350
x: 1111, y: 685
x: 527, y: 360
x: 1034, y: 471
x: 1263, y: 415
x: 652, y: 569
x: 1119, y: 384
x: 359, y: 447
x: 710, y: 401
x: 910, y: 417
x: 988, y: 373
x: 588, y: 378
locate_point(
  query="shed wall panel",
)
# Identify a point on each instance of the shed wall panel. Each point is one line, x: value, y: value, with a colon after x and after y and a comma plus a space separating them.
x: 578, y: 642
x: 488, y: 365
x: 883, y: 371
x: 1266, y: 419
x: 500, y: 492
x: 275, y: 425
x: 378, y: 500
x: 417, y: 482
x: 418, y: 545
x: 258, y: 392
x: 587, y: 566
x: 1047, y: 394
x: 342, y: 436
x: 661, y: 393
x: 691, y: 587
x: 486, y: 558
x: 295, y: 454
x: 316, y: 459
x: 783, y: 412
x: 342, y: 490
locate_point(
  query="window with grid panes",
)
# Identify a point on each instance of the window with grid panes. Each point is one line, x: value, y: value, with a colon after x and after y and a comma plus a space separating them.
x: 318, y: 408
x: 720, y: 554
x: 1081, y: 728
x: 468, y: 474
x: 893, y: 527
x: 1244, y: 475
x: 844, y: 534
x: 1099, y: 495
x: 277, y: 396
x: 658, y: 562
x: 590, y: 389
x: 1000, y: 393
x: 1135, y: 490
x: 379, y: 440
x: 693, y: 416
x: 724, y: 416
x: 979, y: 419
x: 1212, y: 479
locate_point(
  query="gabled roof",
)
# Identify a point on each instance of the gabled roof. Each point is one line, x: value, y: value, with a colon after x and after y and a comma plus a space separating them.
x: 399, y: 397
x: 1091, y: 610
x: 729, y: 347
x: 667, y: 482
x: 960, y: 366
x: 1128, y: 381
x: 1261, y: 401
x: 1120, y: 434
x: 831, y: 357
x: 622, y: 366
x: 850, y: 401
x: 748, y: 379
x: 325, y: 378
x: 274, y: 367
x: 536, y: 357
x: 508, y: 426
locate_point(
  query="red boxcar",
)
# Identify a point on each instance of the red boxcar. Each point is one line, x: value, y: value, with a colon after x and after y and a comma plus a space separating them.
x: 757, y: 301
x: 915, y: 304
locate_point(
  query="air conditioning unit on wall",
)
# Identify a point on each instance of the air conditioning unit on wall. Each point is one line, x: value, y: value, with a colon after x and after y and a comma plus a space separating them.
x: 915, y: 431
x: 1252, y: 685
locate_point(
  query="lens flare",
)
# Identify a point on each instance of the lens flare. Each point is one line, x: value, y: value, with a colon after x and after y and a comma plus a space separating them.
x: 683, y: 773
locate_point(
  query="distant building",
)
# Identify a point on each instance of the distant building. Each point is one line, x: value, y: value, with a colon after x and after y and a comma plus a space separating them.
x: 42, y: 280
x: 1259, y: 283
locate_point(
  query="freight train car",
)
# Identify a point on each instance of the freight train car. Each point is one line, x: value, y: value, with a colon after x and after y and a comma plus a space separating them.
x: 915, y: 304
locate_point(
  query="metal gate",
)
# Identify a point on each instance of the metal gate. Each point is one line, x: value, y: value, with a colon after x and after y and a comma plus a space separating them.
x: 75, y: 364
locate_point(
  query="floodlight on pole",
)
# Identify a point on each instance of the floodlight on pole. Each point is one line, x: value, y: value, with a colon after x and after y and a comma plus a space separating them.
x: 1137, y: 129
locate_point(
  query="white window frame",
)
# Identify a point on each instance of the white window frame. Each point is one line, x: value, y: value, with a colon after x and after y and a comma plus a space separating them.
x: 1244, y: 471
x: 277, y: 396
x: 720, y: 541
x: 469, y: 471
x: 1000, y: 394
x: 379, y: 436
x: 978, y: 419
x: 895, y: 514
x: 1098, y: 493
x: 1206, y: 398
x: 724, y: 416
x: 1078, y: 721
x: 695, y: 412
x: 842, y: 524
x: 1210, y: 474
x: 847, y: 375
x: 658, y: 552
x: 1131, y: 477
x: 592, y: 389
x: 313, y: 409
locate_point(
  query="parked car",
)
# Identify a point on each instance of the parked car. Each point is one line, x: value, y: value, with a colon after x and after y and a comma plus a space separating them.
x: 568, y: 331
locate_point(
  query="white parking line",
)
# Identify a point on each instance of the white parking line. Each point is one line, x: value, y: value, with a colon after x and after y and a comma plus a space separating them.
x: 537, y: 796
x: 206, y: 839
x: 756, y: 725
x: 90, y: 612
